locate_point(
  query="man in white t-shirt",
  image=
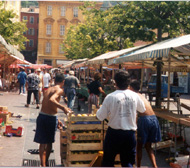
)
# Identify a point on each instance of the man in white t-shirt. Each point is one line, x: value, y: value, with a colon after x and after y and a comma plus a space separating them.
x: 121, y: 108
x: 46, y: 80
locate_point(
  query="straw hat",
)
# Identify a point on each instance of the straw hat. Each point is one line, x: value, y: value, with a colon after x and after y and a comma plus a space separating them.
x: 38, y: 69
x: 71, y: 72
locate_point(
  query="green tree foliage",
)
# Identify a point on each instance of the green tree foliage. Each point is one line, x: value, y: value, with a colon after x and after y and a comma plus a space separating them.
x: 10, y: 30
x: 167, y: 17
x: 92, y: 38
x: 123, y: 24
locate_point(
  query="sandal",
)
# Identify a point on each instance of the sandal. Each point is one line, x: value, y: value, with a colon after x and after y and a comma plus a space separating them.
x: 37, y: 107
x: 26, y: 105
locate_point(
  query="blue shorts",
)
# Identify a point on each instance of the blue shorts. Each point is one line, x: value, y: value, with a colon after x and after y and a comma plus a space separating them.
x: 148, y: 129
x: 46, y: 126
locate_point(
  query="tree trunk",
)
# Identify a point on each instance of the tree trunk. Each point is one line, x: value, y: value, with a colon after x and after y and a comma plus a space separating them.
x: 159, y: 70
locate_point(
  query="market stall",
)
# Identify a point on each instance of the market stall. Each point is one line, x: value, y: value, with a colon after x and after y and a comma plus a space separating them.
x: 9, y: 58
x: 99, y: 63
x: 172, y: 53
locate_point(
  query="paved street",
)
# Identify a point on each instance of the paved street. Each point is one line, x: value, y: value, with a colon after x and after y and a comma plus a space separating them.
x: 14, y: 149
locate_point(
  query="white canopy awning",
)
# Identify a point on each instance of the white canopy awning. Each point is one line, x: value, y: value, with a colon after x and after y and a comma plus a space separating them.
x: 8, y: 54
x: 104, y: 58
x: 180, y: 45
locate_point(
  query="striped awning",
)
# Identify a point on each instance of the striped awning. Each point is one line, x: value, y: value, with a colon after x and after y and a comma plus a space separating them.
x: 179, y: 45
x: 104, y: 58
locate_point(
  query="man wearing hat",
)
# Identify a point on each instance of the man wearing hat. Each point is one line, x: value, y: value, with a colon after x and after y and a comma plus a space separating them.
x: 71, y: 82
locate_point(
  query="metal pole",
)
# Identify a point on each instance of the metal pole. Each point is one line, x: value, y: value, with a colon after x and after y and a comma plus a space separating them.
x: 142, y: 75
x: 169, y: 65
x: 113, y: 73
x: 101, y: 71
x: 79, y: 73
x: 88, y: 75
x: 84, y: 76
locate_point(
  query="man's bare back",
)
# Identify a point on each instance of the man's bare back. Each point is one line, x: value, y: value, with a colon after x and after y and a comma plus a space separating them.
x: 149, y: 111
x: 51, y: 100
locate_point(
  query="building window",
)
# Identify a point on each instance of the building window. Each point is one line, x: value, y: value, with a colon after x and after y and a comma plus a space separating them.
x: 49, y: 10
x: 31, y: 10
x: 63, y: 10
x: 25, y: 33
x: 75, y: 11
x: 48, y: 47
x: 61, y: 51
x: 31, y: 43
x: 30, y: 31
x: 62, y: 30
x: 48, y: 62
x: 25, y: 18
x: 48, y: 29
x: 25, y: 43
x: 31, y: 19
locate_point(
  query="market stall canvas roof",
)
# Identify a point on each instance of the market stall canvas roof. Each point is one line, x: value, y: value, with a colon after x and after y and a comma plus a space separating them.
x: 9, y: 54
x: 103, y: 58
x: 178, y: 48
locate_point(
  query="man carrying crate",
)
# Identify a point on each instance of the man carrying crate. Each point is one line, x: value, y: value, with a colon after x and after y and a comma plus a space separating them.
x: 47, y: 121
x: 121, y: 107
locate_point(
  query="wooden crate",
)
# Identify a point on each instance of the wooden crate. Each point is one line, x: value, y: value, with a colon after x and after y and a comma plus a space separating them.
x: 4, y: 116
x: 63, y: 144
x: 84, y: 140
x: 85, y: 136
x: 4, y: 108
x: 163, y: 144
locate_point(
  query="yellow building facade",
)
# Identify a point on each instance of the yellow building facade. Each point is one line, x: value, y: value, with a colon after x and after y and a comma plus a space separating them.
x: 54, y: 19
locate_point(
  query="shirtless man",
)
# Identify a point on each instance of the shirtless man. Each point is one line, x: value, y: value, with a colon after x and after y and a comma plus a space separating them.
x: 148, y: 129
x: 47, y: 121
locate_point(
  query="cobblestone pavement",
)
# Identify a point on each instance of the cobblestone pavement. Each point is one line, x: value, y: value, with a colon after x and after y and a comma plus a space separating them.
x: 14, y: 149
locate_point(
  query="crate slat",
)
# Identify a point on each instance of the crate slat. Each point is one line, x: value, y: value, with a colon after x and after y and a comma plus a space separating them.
x: 74, y: 127
x: 84, y: 146
x: 85, y: 136
x: 81, y: 157
x: 83, y: 118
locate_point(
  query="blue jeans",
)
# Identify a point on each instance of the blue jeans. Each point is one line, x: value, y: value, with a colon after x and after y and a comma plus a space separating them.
x: 71, y: 94
x: 22, y: 85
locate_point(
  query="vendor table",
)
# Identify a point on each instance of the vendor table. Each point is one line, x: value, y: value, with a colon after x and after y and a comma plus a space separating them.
x: 167, y: 115
x: 177, y: 119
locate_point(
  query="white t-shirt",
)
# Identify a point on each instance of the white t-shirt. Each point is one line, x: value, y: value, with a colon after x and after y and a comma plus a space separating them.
x: 46, y: 79
x: 121, y: 108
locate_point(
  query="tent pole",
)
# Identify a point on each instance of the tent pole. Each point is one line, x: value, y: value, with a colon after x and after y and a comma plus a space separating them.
x: 84, y: 76
x: 113, y: 74
x: 158, y: 83
x: 169, y: 65
x: 101, y: 71
x: 88, y: 75
x: 4, y: 68
x: 142, y: 75
x: 79, y: 73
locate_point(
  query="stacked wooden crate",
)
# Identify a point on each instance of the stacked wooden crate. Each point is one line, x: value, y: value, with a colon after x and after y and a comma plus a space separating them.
x: 84, y: 140
x: 63, y: 145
